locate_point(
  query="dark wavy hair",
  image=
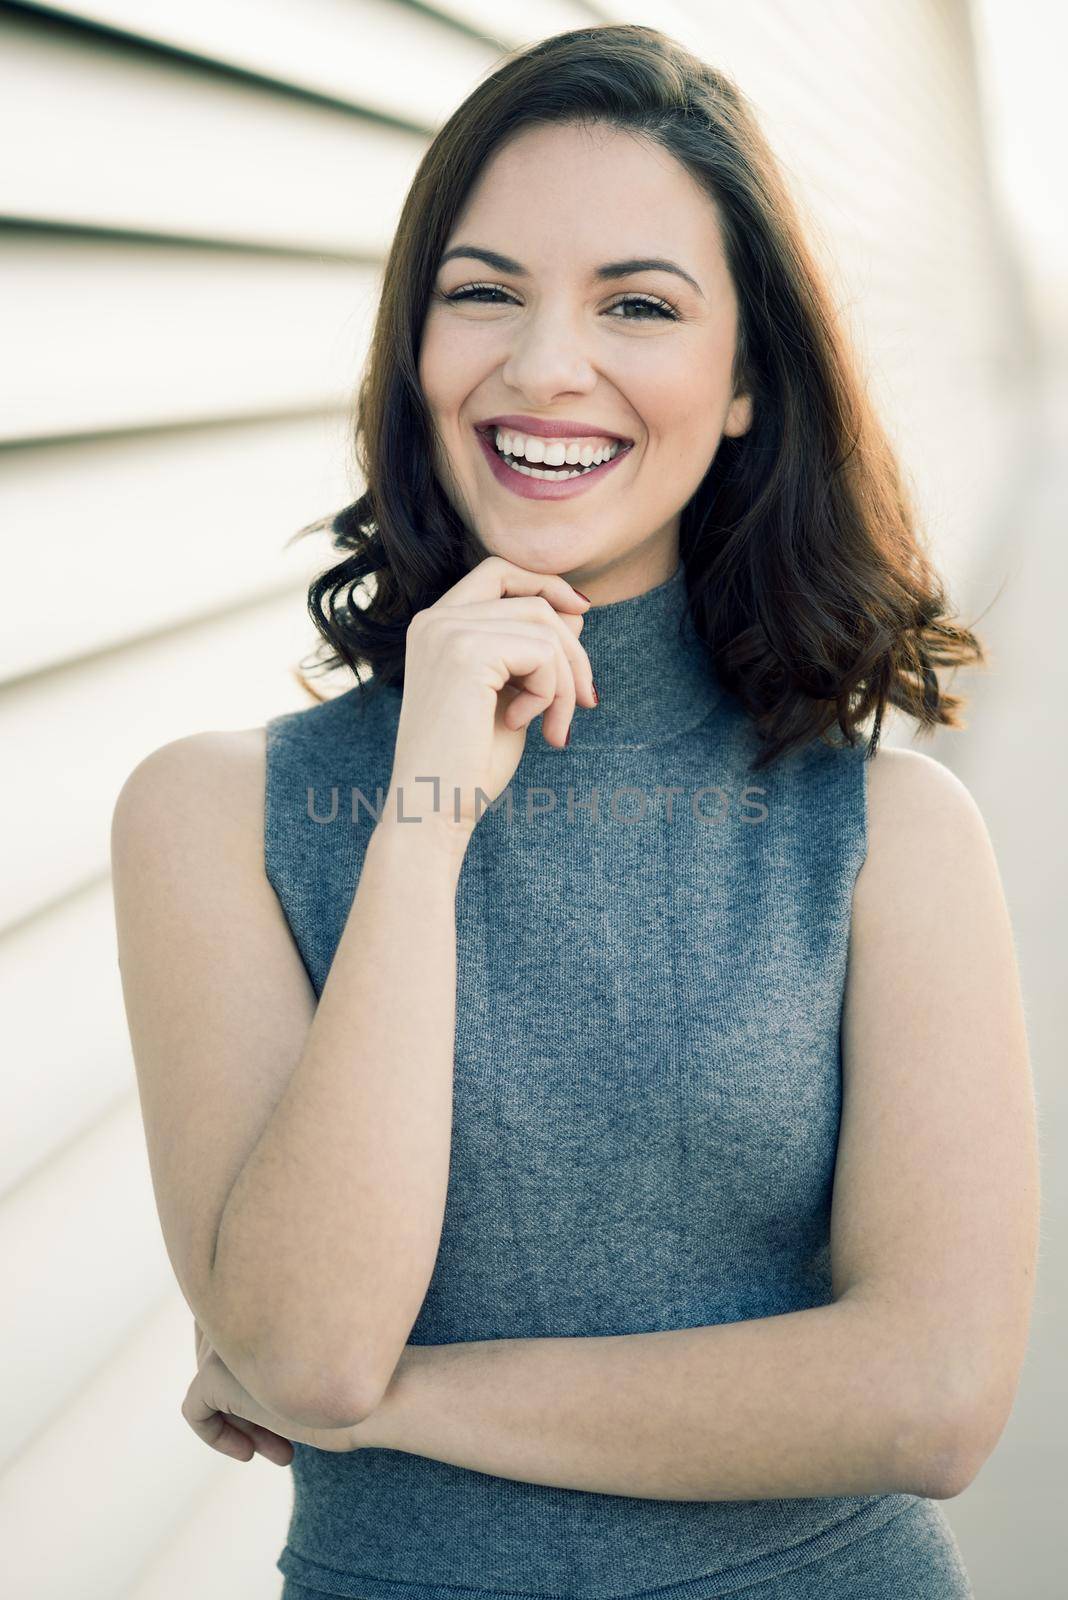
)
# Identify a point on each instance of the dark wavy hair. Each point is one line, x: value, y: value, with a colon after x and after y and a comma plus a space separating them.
x: 806, y: 574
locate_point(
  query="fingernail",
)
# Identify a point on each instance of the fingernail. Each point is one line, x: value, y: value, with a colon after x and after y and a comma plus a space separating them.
x: 596, y: 696
x: 567, y: 737
x: 582, y: 596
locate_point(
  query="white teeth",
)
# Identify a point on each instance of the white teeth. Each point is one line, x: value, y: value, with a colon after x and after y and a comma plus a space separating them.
x: 556, y: 452
x: 553, y: 475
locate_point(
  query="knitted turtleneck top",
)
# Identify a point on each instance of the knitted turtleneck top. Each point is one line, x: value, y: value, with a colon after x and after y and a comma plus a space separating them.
x: 651, y: 955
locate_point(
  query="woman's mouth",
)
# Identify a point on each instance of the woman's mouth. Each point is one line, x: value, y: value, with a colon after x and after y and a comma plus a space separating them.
x: 535, y: 481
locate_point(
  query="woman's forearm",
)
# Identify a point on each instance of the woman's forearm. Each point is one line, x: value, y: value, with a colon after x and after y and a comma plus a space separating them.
x: 328, y: 1240
x: 827, y: 1401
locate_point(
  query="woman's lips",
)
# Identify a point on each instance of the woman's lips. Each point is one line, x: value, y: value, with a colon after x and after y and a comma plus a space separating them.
x: 545, y: 488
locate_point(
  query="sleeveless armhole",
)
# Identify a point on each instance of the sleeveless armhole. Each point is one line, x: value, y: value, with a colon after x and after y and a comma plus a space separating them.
x: 277, y: 846
x: 862, y: 764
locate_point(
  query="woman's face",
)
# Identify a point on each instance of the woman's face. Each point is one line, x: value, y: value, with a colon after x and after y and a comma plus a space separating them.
x: 644, y: 355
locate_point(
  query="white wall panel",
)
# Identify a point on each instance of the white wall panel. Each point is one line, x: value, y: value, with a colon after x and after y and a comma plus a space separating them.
x: 97, y: 1493
x: 81, y: 1224
x: 163, y: 147
x: 396, y: 60
x: 125, y: 535
x: 67, y: 1059
x: 240, y: 1516
x: 76, y: 734
x: 104, y: 336
x: 517, y: 22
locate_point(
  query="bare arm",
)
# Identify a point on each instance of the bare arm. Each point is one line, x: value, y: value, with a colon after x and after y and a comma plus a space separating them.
x: 907, y: 1379
x: 328, y: 1240
x: 828, y: 1401
x: 299, y: 1149
x: 331, y: 1233
x: 260, y: 1107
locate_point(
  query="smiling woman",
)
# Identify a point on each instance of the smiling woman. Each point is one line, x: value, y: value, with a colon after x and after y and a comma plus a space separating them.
x: 665, y: 296
x: 622, y: 1181
x: 652, y: 365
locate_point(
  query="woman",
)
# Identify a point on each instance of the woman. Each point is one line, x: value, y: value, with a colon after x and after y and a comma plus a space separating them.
x: 497, y: 1085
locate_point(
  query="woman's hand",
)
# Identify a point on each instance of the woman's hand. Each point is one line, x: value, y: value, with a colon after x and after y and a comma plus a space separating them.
x: 495, y: 651
x: 203, y: 1348
x: 223, y: 1413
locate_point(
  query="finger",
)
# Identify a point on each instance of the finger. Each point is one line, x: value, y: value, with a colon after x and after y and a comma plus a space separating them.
x: 556, y: 716
x: 495, y: 577
x: 214, y: 1427
x: 538, y: 609
x: 231, y: 1435
x: 532, y: 616
x: 223, y: 1435
x: 241, y: 1440
x: 531, y: 655
x: 272, y: 1446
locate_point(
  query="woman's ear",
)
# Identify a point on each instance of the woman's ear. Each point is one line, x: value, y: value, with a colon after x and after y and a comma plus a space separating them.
x: 739, y: 416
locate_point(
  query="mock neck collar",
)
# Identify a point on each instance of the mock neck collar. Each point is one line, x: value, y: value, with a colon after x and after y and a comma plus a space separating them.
x: 653, y: 673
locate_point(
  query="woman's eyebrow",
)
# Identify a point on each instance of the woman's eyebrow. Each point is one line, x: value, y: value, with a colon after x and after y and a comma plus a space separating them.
x: 611, y: 269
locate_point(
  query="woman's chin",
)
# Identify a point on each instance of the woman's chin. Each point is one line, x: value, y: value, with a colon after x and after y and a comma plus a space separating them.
x: 557, y: 552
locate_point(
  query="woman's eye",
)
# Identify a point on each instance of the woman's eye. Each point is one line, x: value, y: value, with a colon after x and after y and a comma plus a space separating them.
x: 473, y: 291
x: 646, y: 305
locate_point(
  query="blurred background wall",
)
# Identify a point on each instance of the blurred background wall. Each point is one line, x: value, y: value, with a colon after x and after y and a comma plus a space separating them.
x: 195, y: 201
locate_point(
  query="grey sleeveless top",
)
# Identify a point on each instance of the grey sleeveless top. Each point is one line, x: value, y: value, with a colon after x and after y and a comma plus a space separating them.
x: 647, y: 1089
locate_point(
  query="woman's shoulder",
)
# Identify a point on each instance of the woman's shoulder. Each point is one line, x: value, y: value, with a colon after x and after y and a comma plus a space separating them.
x: 919, y: 811
x: 194, y: 786
x: 214, y: 757
x: 227, y: 770
x: 904, y: 783
x: 231, y: 763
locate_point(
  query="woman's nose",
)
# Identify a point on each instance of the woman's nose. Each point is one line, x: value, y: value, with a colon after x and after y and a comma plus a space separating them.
x: 549, y: 353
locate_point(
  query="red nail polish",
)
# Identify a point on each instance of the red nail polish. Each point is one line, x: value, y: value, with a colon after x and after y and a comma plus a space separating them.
x: 596, y: 696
